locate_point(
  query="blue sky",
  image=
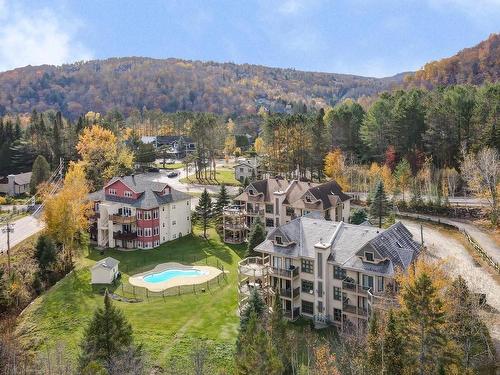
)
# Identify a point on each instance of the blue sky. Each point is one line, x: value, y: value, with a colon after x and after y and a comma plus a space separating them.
x: 366, y: 37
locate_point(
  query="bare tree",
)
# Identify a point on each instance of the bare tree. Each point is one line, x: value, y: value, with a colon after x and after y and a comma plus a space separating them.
x: 481, y: 171
x: 199, y: 356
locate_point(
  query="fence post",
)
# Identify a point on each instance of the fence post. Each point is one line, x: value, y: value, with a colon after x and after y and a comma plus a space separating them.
x: 178, y: 290
x: 208, y: 287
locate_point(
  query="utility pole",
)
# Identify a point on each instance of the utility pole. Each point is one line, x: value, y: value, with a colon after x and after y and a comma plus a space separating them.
x: 8, y: 228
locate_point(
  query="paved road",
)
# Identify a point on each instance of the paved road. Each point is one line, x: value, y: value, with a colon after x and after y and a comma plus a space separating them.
x: 482, y: 237
x: 454, y: 201
x: 23, y: 228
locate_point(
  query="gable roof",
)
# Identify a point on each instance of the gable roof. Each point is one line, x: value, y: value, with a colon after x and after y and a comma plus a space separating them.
x: 346, y: 243
x: 148, y: 189
x: 106, y: 263
x: 169, y: 139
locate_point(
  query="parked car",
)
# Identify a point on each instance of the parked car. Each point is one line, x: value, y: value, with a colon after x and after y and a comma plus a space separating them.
x: 173, y: 174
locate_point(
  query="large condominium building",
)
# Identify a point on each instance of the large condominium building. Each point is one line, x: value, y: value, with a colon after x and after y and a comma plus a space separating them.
x: 278, y: 201
x: 135, y: 212
x: 330, y: 271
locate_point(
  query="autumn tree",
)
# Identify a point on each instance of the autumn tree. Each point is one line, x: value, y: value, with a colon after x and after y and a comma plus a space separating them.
x: 66, y: 213
x: 374, y: 345
x: 403, y: 176
x: 259, y: 145
x: 481, y: 171
x: 102, y: 155
x: 335, y: 168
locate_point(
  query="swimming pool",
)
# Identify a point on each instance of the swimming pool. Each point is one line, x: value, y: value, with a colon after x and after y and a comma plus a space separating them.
x: 172, y: 274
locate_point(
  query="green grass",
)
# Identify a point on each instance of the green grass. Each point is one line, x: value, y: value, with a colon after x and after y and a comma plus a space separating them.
x: 167, y: 327
x: 222, y: 176
x: 170, y: 166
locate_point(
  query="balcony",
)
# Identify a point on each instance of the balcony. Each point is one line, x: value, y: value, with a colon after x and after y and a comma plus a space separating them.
x: 354, y: 287
x: 292, y: 314
x: 120, y: 219
x: 254, y: 211
x: 235, y: 226
x: 288, y: 273
x: 349, y: 308
x: 128, y: 236
x: 254, y: 266
x: 287, y: 293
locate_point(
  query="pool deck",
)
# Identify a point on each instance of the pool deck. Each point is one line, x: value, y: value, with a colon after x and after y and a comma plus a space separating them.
x: 138, y: 279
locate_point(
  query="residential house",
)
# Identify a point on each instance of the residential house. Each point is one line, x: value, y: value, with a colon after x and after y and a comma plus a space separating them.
x: 249, y: 169
x: 333, y: 272
x: 135, y: 212
x: 177, y: 146
x: 15, y: 184
x: 277, y: 201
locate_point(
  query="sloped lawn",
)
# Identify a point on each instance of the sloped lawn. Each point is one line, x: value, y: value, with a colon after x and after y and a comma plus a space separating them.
x: 167, y: 327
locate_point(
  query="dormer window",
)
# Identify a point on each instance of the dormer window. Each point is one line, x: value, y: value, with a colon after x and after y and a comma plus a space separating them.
x: 278, y: 240
x: 369, y: 257
x: 127, y: 194
x: 250, y: 191
x: 308, y: 199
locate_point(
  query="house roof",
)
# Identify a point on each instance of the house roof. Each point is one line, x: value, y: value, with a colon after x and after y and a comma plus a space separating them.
x: 169, y: 139
x: 346, y: 243
x: 252, y: 163
x: 149, y: 192
x: 19, y: 179
x: 106, y: 263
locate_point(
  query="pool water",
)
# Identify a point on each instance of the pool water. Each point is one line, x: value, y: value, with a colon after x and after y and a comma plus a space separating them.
x: 172, y: 274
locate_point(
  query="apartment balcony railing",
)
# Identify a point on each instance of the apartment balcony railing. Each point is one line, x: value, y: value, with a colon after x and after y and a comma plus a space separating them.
x: 354, y: 287
x: 124, y: 235
x: 292, y: 314
x: 121, y: 219
x: 349, y: 308
x: 381, y: 302
x: 286, y: 293
x: 254, y: 266
x: 254, y: 211
x: 288, y: 273
x: 235, y: 226
x: 296, y: 292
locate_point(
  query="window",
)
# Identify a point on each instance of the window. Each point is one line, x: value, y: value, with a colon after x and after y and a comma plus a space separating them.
x: 367, y: 282
x: 139, y: 232
x: 277, y: 221
x: 147, y: 232
x: 320, y: 265
x: 307, y: 266
x: 307, y: 286
x: 157, y: 243
x: 338, y: 273
x: 156, y: 231
x: 187, y: 203
x: 241, y: 170
x: 337, y: 315
x: 308, y: 198
x: 147, y: 215
x: 269, y: 222
x: 269, y: 208
x: 337, y: 293
x: 163, y: 225
x: 250, y: 191
x: 320, y: 289
x: 173, y: 207
x: 112, y: 191
x: 173, y: 222
x: 307, y: 307
x: 369, y: 257
x: 320, y: 307
x: 127, y: 193
x: 163, y: 209
x: 278, y: 240
x: 380, y: 283
x: 127, y: 211
x: 289, y: 211
x: 276, y: 262
x: 139, y: 215
x: 187, y: 218
x: 155, y: 214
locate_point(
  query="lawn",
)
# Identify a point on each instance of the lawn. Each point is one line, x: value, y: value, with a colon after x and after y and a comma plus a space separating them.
x: 167, y: 327
x: 170, y: 166
x: 222, y: 176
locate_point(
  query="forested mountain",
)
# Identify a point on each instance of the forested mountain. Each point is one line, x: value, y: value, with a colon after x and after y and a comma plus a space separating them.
x: 134, y: 83
x: 475, y: 65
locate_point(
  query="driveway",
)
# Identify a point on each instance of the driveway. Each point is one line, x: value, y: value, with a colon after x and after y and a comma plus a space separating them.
x: 459, y: 261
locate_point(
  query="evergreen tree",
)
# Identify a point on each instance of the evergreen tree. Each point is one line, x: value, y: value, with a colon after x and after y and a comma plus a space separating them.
x: 255, y: 305
x: 246, y: 182
x: 374, y: 349
x: 379, y: 207
x: 277, y: 328
x: 319, y: 144
x: 403, y: 176
x: 40, y: 173
x: 394, y: 347
x: 358, y: 216
x: 257, y: 236
x: 204, y: 210
x: 424, y: 323
x: 108, y: 335
x: 222, y: 201
x: 45, y: 253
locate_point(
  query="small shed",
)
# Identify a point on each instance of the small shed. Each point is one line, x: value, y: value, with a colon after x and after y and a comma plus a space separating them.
x: 105, y: 271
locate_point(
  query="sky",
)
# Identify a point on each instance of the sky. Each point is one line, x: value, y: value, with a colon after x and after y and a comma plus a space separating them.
x: 375, y: 38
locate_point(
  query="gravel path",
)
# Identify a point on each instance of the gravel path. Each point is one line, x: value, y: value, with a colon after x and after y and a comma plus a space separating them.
x: 442, y: 246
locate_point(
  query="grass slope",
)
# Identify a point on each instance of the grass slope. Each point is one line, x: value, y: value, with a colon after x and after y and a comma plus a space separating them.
x: 166, y: 327
x: 222, y: 176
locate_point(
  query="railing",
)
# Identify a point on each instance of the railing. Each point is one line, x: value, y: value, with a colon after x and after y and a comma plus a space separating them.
x: 349, y: 308
x: 121, y: 219
x: 287, y: 293
x: 380, y: 302
x: 254, y: 211
x: 292, y: 314
x: 348, y: 285
x: 235, y: 226
x: 288, y: 273
x: 354, y: 287
x: 296, y: 292
x: 124, y: 235
x: 254, y: 266
x: 234, y: 240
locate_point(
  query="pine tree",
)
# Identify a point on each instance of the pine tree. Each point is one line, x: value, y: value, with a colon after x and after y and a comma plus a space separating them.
x: 358, y: 216
x: 254, y: 304
x: 394, y: 347
x: 108, y: 335
x: 424, y: 322
x: 45, y: 253
x: 222, y: 201
x: 204, y: 210
x: 374, y: 355
x: 277, y: 329
x: 246, y: 182
x: 40, y: 173
x: 257, y: 236
x: 379, y: 207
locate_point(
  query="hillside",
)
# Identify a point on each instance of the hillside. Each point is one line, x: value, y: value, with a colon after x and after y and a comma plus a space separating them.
x: 171, y: 85
x: 474, y: 65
